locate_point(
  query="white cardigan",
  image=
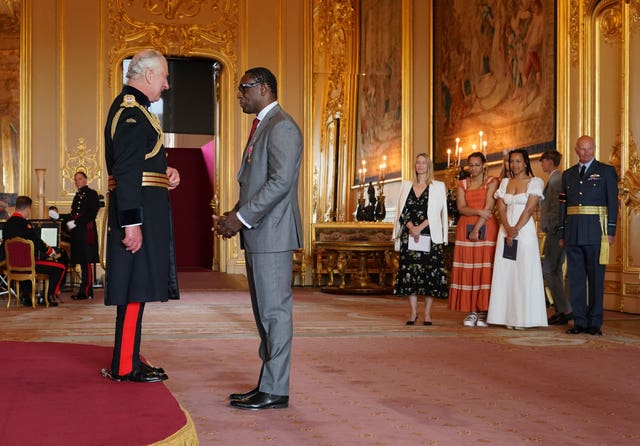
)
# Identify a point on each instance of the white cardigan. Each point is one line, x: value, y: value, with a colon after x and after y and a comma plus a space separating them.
x: 437, y: 212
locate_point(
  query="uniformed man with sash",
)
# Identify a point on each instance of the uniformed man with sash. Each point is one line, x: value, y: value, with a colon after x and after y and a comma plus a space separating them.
x: 588, y: 216
x: 140, y: 261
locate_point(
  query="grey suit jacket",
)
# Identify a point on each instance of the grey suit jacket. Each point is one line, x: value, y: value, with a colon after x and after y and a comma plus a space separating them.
x: 550, y: 206
x: 268, y: 199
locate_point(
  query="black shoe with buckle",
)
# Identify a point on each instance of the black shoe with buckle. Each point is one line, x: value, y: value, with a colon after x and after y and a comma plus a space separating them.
x: 139, y: 375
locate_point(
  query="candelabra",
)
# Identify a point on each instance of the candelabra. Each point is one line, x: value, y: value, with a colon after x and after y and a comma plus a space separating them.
x: 375, y: 209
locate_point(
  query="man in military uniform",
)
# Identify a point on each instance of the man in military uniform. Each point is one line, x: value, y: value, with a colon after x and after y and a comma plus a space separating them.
x: 588, y: 217
x: 18, y: 225
x: 140, y: 261
x: 84, y: 233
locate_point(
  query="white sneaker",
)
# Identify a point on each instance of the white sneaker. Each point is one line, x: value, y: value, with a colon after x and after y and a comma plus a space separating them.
x: 470, y: 320
x: 482, y: 320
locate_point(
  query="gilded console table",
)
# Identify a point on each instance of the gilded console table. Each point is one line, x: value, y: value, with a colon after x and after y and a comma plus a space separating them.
x: 354, y: 258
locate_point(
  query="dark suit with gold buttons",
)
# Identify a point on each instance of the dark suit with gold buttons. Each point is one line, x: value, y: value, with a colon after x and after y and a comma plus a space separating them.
x: 588, y: 214
x: 84, y: 236
x: 138, y: 195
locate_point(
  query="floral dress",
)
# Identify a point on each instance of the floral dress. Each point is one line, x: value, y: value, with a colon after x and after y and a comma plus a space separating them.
x: 419, y: 272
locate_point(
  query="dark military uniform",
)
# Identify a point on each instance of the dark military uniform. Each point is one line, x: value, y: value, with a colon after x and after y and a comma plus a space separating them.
x: 138, y: 195
x: 18, y: 226
x: 588, y: 214
x: 84, y: 237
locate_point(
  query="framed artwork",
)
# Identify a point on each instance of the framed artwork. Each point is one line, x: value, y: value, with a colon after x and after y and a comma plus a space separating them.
x: 493, y: 78
x: 379, y: 92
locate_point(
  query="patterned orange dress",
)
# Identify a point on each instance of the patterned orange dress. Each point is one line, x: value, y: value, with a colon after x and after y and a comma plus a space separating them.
x: 473, y: 261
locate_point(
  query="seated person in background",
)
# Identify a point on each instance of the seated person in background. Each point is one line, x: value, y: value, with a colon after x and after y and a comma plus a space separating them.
x: 65, y: 240
x: 19, y: 226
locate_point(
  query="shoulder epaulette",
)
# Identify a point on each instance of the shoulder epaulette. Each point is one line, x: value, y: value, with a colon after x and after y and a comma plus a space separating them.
x: 129, y: 100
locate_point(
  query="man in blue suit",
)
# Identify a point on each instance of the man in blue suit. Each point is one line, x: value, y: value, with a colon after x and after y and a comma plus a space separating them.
x: 588, y: 216
x: 267, y: 215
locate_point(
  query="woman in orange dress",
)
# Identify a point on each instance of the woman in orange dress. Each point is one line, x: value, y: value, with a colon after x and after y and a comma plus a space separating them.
x: 475, y: 244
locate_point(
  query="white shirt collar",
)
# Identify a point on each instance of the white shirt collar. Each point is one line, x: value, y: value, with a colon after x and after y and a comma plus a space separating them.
x: 266, y: 110
x: 587, y: 164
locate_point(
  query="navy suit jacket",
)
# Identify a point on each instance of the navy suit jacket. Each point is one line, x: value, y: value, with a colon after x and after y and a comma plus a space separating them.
x: 598, y: 187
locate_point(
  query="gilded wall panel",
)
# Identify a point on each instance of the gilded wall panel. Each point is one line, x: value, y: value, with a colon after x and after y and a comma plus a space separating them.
x: 186, y: 28
x: 334, y: 25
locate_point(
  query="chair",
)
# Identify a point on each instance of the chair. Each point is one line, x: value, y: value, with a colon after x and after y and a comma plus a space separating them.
x: 4, y: 286
x: 21, y: 265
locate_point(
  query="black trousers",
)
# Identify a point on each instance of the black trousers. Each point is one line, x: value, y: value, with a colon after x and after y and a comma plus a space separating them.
x: 86, y: 284
x: 52, y: 269
x: 126, y: 349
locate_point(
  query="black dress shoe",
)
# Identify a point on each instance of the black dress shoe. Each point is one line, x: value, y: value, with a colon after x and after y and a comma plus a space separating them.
x: 79, y: 297
x: 138, y: 375
x: 559, y: 319
x: 261, y: 401
x: 576, y: 330
x: 150, y: 368
x: 244, y: 396
x: 594, y: 331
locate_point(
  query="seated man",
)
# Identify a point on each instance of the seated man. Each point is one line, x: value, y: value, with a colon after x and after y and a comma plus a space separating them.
x: 19, y: 226
x: 65, y: 239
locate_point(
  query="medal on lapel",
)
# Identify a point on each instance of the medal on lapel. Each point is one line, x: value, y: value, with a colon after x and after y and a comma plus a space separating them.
x: 249, y: 151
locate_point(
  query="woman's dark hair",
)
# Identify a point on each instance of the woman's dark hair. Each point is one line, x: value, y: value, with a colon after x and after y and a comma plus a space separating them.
x: 477, y: 155
x: 525, y: 156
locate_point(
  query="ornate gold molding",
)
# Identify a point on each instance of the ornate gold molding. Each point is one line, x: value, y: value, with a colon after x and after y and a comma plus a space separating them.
x: 630, y: 182
x: 634, y: 11
x: 334, y: 22
x: 334, y: 64
x: 611, y: 24
x: 174, y: 9
x: 574, y: 30
x: 164, y: 25
x: 80, y: 158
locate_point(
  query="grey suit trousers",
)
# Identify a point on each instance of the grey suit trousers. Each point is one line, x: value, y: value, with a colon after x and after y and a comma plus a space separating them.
x: 554, y: 257
x: 269, y: 276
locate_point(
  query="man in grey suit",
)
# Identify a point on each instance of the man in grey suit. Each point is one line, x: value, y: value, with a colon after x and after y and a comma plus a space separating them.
x: 267, y: 215
x: 554, y: 254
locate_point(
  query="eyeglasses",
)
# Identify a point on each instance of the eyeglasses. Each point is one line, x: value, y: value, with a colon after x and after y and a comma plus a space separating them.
x: 242, y: 88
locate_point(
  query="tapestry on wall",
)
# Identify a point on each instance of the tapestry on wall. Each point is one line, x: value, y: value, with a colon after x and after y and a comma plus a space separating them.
x: 379, y: 119
x: 494, y: 78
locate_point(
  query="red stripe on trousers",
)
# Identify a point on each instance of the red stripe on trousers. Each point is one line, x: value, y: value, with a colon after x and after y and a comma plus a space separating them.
x: 89, y: 279
x: 128, y: 338
x: 56, y: 289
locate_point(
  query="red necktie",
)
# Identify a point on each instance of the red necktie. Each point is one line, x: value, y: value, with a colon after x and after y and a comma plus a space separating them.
x: 254, y: 126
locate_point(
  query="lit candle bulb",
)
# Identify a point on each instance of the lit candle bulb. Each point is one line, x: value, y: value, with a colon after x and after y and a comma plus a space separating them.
x: 481, y: 133
x: 457, y: 142
x: 484, y: 148
x: 473, y: 148
x: 448, y: 157
x: 459, y: 153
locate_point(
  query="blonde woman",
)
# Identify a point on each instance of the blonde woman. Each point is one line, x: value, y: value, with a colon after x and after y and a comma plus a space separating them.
x: 420, y: 232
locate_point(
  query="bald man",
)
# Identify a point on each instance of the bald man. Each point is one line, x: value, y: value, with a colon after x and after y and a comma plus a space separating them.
x: 588, y: 217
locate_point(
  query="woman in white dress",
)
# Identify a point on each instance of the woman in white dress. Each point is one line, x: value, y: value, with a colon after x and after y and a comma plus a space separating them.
x: 517, y: 291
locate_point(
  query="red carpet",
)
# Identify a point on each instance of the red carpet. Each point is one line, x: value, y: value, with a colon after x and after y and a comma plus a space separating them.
x: 54, y: 394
